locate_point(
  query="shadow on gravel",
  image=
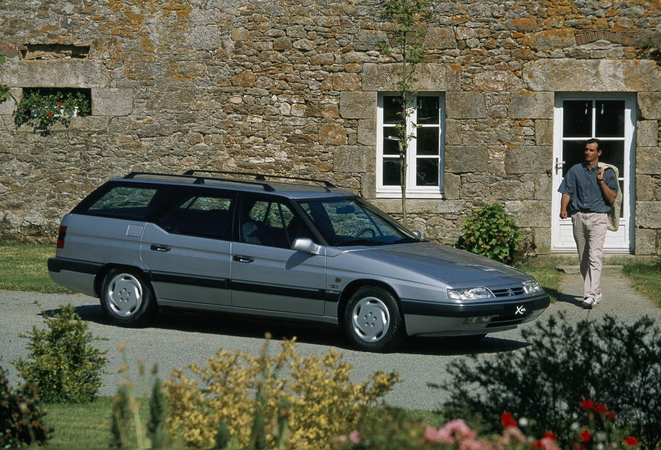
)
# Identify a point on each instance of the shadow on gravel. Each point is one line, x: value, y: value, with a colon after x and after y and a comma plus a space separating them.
x: 305, y: 333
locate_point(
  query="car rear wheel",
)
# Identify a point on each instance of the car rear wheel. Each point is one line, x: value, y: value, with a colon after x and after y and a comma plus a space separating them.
x: 127, y: 299
x: 373, y: 321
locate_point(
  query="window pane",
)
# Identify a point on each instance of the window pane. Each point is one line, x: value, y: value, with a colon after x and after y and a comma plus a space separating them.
x: 610, y: 118
x: 390, y: 144
x: 124, y: 201
x: 577, y: 118
x: 573, y: 152
x: 427, y: 172
x: 392, y: 109
x: 391, y: 172
x: 612, y: 152
x: 427, y: 141
x: 199, y: 216
x: 428, y: 110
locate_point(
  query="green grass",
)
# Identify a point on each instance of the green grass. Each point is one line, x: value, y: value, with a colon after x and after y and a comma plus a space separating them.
x: 646, y: 279
x: 23, y: 267
x: 80, y: 426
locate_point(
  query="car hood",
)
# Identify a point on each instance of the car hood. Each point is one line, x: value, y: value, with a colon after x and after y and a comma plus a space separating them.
x: 453, y: 266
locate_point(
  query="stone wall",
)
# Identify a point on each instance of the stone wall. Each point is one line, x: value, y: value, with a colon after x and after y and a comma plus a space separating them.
x: 290, y: 87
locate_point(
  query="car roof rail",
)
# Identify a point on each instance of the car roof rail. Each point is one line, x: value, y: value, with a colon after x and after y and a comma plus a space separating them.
x: 200, y: 180
x: 262, y: 177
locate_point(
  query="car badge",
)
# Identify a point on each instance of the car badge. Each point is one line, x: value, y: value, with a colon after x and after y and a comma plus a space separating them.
x: 520, y: 310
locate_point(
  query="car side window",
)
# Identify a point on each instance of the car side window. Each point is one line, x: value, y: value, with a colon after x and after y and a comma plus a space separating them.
x: 199, y: 215
x: 270, y: 223
x: 125, y: 202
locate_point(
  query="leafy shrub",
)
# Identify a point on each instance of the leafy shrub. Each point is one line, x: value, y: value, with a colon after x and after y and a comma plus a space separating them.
x: 62, y: 361
x: 491, y: 232
x: 618, y: 365
x: 315, y: 394
x: 21, y: 416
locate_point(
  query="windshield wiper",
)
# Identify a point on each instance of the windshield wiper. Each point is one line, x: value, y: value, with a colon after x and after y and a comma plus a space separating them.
x: 360, y: 242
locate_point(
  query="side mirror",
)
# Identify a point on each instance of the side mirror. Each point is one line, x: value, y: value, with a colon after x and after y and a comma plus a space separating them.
x: 417, y: 234
x: 306, y: 245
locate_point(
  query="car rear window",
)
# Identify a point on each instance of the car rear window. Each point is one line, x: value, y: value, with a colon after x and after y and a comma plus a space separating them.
x: 125, y: 202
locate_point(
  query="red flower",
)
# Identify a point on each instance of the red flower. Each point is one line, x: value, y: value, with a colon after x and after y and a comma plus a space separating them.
x: 585, y: 436
x: 508, y: 420
x: 49, y: 114
x: 60, y: 103
x: 587, y: 404
x: 550, y: 435
x: 601, y: 409
x: 631, y: 441
x: 610, y: 416
x: 536, y: 444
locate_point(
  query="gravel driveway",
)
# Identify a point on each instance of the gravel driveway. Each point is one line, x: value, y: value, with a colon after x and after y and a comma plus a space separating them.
x: 179, y: 340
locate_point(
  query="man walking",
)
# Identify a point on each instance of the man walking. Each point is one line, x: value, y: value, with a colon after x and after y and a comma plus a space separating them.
x: 588, y: 192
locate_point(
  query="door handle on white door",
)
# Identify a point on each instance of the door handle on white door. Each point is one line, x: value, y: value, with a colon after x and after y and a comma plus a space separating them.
x: 558, y: 165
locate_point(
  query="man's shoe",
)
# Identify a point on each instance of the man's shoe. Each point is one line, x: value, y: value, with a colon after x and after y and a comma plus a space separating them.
x: 598, y: 298
x: 589, y: 302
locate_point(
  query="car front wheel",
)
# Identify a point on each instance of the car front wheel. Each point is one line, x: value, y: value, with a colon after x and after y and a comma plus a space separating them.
x: 127, y: 299
x: 373, y: 321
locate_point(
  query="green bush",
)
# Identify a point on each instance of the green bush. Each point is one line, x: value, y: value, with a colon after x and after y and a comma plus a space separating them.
x: 62, y: 361
x: 491, y: 232
x: 21, y: 417
x: 614, y: 364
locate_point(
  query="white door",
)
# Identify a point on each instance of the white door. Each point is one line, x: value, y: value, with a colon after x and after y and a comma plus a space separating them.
x: 609, y: 118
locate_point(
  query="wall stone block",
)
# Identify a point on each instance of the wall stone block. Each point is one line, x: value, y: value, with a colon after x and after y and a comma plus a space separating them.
x: 648, y: 214
x: 648, y: 160
x: 648, y: 103
x: 566, y: 75
x: 528, y: 159
x: 353, y: 159
x: 358, y: 105
x: 647, y: 133
x: 532, y: 105
x: 465, y: 105
x: 462, y: 159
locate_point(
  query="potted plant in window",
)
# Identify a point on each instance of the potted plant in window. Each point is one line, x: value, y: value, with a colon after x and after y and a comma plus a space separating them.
x: 43, y: 108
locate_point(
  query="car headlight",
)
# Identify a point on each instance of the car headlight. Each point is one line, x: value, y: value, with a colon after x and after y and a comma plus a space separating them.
x: 470, y: 293
x: 531, y: 287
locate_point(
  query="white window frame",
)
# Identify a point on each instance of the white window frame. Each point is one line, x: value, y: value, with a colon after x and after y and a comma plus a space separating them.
x: 412, y: 191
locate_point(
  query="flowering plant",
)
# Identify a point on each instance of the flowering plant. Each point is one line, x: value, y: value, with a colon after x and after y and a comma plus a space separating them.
x: 41, y: 108
x: 601, y: 431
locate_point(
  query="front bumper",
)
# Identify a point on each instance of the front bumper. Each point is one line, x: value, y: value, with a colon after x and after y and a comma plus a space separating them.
x: 447, y: 319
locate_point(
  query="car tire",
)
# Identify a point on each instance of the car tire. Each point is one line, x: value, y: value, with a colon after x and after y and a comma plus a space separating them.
x: 373, y: 320
x: 127, y: 299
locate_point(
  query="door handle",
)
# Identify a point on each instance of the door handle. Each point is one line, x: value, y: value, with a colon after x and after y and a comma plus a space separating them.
x: 243, y: 259
x: 160, y: 248
x: 558, y: 165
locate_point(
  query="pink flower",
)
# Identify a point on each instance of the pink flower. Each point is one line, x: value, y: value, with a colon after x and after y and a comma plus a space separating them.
x: 354, y: 437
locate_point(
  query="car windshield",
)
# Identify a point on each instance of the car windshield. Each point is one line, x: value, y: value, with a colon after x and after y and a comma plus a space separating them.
x: 349, y: 221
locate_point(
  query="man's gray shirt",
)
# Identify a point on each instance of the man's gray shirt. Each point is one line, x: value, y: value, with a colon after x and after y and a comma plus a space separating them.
x: 581, y: 185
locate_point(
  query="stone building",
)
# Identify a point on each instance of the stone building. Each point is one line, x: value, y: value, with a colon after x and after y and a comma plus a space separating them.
x: 507, y: 93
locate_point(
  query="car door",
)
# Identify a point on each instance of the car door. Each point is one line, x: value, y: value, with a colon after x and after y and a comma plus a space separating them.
x: 266, y: 273
x: 188, y: 250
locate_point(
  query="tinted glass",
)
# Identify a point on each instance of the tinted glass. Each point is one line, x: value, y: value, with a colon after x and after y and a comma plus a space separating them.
x: 203, y: 216
x: 124, y: 202
x: 609, y: 118
x: 391, y: 172
x: 428, y: 110
x: 390, y: 141
x: 345, y: 222
x: 392, y: 109
x: 577, y: 118
x: 427, y: 172
x: 427, y: 141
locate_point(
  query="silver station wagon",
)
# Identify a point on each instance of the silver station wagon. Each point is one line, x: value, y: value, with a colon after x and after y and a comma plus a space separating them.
x: 295, y: 250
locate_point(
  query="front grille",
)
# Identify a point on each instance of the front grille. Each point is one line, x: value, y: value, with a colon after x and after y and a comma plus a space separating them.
x: 508, y: 292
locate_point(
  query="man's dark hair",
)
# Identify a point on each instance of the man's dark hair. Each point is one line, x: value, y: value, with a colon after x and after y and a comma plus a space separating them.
x: 592, y: 141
